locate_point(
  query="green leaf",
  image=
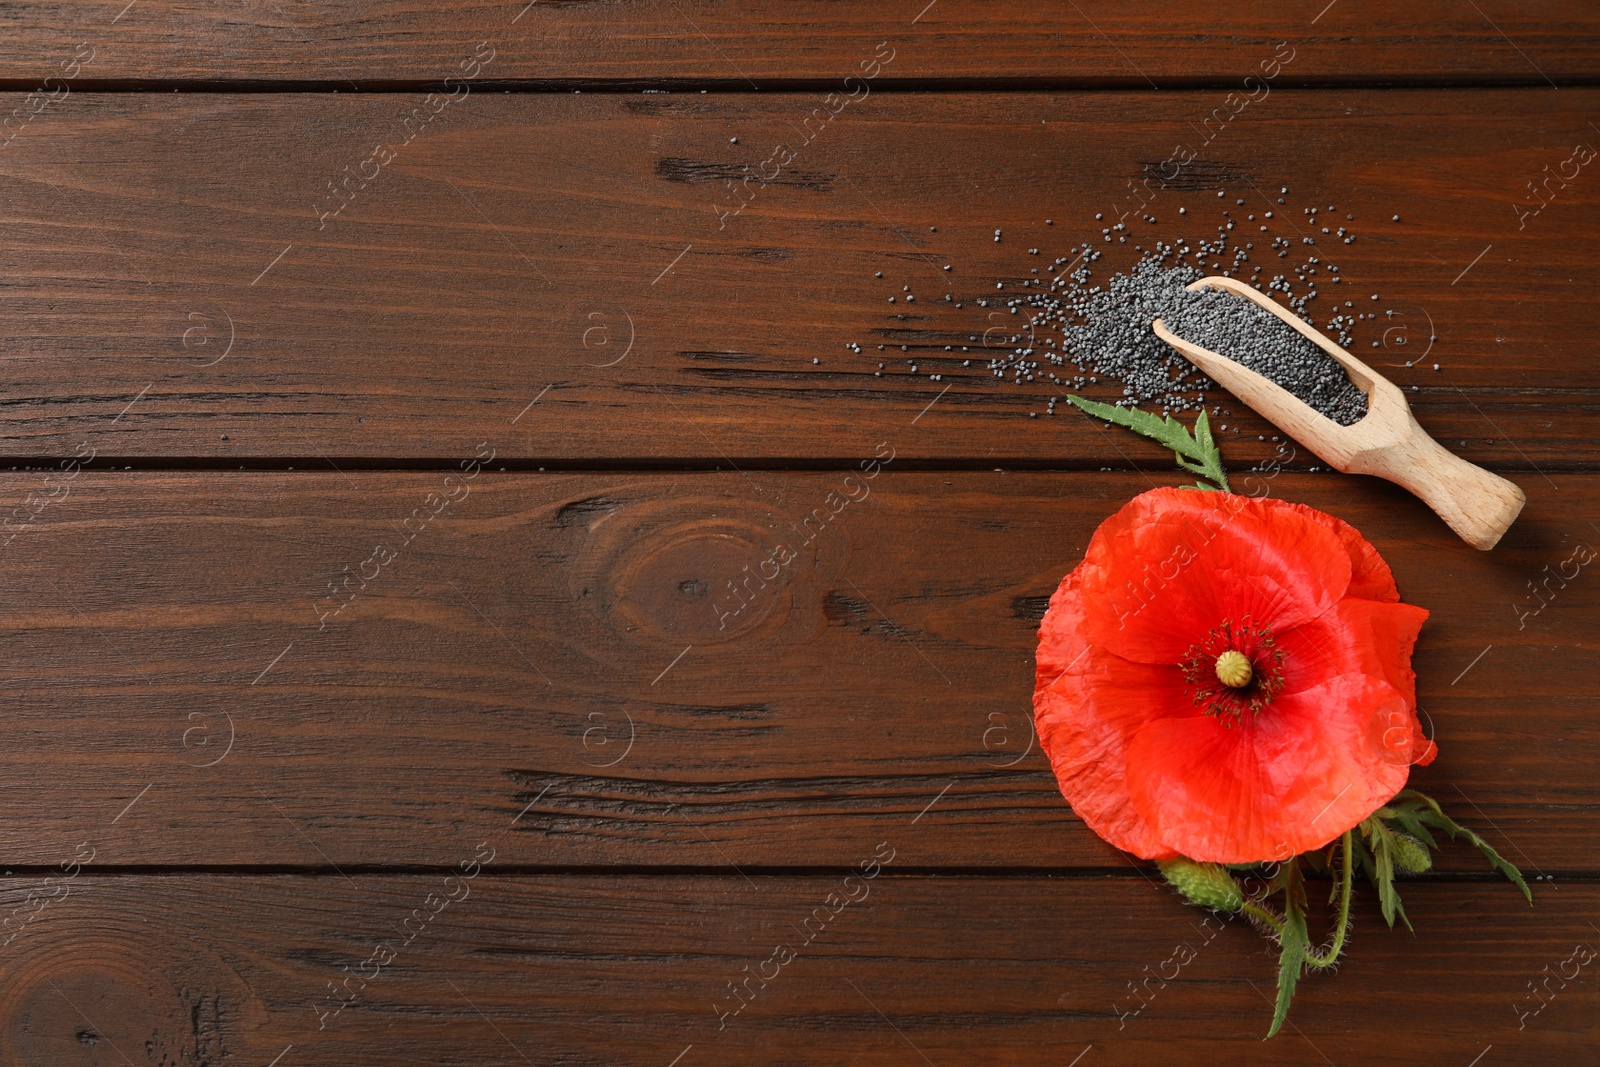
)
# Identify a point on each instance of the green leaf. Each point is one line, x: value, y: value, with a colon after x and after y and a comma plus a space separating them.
x: 1286, y: 879
x: 1381, y: 840
x: 1291, y: 959
x: 1206, y: 884
x: 1199, y: 448
x: 1364, y: 858
x: 1294, y: 884
x: 1433, y: 815
x: 1406, y: 816
x: 1202, y: 433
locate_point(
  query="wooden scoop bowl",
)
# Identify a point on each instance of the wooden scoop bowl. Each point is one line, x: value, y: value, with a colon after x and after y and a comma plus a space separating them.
x: 1387, y: 442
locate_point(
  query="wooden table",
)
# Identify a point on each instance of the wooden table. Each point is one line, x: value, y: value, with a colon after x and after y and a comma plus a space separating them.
x: 397, y: 411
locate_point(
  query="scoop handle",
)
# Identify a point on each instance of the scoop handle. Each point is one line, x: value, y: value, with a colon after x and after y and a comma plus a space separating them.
x: 1477, y: 505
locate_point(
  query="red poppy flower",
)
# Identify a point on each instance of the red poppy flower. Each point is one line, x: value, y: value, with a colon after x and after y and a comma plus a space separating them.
x: 1227, y: 678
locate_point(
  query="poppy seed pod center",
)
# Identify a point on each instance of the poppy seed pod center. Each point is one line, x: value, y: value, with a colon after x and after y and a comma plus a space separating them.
x: 1234, y: 670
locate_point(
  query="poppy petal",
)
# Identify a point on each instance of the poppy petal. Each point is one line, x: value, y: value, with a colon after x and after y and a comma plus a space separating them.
x: 1300, y: 775
x: 1357, y: 636
x: 1370, y: 576
x: 1087, y: 706
x: 1371, y: 638
x: 1175, y: 564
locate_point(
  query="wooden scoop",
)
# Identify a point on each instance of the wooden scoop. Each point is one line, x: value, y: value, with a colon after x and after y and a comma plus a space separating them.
x: 1386, y: 442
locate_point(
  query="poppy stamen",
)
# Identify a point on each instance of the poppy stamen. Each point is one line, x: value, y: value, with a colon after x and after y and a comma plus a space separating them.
x: 1235, y: 670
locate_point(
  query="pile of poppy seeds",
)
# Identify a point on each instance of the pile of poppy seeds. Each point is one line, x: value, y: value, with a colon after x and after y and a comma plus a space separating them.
x: 1069, y: 332
x: 1256, y: 339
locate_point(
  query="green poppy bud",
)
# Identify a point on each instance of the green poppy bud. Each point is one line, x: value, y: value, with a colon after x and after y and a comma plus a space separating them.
x: 1410, y: 855
x: 1207, y: 884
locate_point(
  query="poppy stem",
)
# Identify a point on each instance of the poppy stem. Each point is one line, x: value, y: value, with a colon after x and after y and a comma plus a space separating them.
x: 1263, y: 916
x: 1328, y: 958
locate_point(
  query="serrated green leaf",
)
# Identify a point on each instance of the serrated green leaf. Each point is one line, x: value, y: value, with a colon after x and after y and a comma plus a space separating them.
x: 1282, y: 881
x: 1409, y: 821
x: 1500, y: 863
x: 1202, y: 433
x: 1208, y: 448
x: 1291, y: 959
x: 1317, y: 862
x: 1364, y: 858
x: 1166, y: 430
x: 1294, y: 885
x: 1388, y: 896
x: 1381, y: 840
x: 1435, y: 816
x: 1198, y: 447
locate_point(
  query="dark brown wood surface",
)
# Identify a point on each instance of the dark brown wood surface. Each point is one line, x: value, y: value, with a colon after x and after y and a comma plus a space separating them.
x: 567, y: 645
x: 632, y: 969
x: 766, y: 42
x: 274, y: 670
x: 169, y: 250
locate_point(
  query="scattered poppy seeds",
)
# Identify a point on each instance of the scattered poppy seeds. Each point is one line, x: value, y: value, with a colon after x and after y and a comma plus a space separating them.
x: 1059, y: 328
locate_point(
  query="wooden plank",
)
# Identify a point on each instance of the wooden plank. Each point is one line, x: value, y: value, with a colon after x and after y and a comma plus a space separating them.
x: 565, y: 647
x: 636, y: 970
x: 170, y: 293
x: 768, y: 41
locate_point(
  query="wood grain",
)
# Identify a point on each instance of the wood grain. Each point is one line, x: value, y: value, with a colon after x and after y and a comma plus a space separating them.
x: 518, y: 729
x: 566, y: 648
x: 190, y: 969
x: 170, y: 294
x: 777, y: 41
